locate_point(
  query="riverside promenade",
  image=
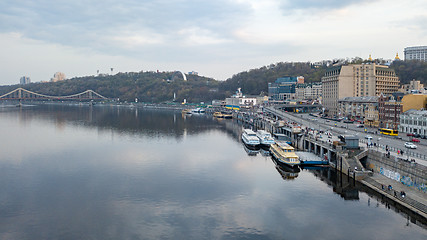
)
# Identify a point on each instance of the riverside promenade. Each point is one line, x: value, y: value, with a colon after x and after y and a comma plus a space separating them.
x: 415, y: 197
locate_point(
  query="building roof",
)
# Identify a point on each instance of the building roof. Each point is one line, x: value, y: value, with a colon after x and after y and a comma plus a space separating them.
x: 366, y: 99
x: 304, y: 85
x: 416, y: 112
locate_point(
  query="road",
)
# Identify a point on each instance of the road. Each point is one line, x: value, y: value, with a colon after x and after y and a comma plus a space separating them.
x: 339, y: 128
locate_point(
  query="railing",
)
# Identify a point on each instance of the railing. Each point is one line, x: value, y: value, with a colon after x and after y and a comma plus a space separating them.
x: 406, y: 152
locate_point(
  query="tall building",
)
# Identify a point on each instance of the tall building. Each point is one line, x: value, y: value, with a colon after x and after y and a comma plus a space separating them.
x: 283, y: 88
x: 389, y: 110
x: 356, y: 80
x: 58, y: 76
x: 25, y: 80
x: 416, y: 53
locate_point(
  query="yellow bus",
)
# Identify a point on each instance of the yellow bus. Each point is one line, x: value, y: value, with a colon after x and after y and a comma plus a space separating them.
x: 390, y: 132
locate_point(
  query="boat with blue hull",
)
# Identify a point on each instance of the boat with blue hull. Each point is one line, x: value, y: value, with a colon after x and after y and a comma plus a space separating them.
x: 311, y: 159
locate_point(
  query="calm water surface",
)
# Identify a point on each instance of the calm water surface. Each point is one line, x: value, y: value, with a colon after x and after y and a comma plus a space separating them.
x: 117, y: 173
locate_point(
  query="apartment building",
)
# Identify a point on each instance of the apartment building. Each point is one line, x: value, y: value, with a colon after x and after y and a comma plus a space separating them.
x: 356, y: 80
x: 416, y: 53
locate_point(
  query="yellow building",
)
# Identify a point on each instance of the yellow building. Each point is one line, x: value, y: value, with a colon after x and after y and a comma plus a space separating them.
x: 414, y: 101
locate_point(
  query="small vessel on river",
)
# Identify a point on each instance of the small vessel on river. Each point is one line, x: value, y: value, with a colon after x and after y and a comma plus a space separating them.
x: 250, y: 139
x: 218, y: 115
x: 186, y: 111
x: 284, y: 154
x: 308, y: 159
x: 265, y: 138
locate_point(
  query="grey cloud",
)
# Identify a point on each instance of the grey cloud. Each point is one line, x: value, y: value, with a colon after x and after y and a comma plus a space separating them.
x: 78, y: 23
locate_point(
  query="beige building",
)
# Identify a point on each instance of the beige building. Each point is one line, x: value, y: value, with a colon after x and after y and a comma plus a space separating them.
x: 412, y: 87
x: 58, y: 76
x: 308, y: 91
x: 360, y: 108
x: 356, y: 80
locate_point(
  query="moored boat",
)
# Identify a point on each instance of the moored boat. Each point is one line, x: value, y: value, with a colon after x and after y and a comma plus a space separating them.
x: 198, y: 110
x: 265, y: 138
x: 308, y: 158
x: 249, y: 138
x: 228, y: 115
x: 218, y: 115
x: 186, y: 111
x: 284, y: 154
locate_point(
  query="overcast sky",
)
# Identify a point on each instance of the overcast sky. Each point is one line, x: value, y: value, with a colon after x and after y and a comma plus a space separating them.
x: 217, y: 38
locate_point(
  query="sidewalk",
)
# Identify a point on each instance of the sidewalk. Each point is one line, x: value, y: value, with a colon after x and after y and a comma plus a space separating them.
x: 414, y: 200
x: 381, y: 149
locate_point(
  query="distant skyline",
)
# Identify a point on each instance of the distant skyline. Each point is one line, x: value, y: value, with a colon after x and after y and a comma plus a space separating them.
x: 214, y: 38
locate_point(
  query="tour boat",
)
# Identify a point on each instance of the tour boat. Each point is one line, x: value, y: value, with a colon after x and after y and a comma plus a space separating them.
x: 249, y: 138
x: 284, y: 154
x: 265, y: 138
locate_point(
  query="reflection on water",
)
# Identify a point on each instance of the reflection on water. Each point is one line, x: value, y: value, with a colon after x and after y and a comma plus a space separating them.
x: 120, y: 173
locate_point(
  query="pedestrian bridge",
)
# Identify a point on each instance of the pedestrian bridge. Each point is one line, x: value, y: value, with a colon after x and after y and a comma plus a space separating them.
x: 23, y: 94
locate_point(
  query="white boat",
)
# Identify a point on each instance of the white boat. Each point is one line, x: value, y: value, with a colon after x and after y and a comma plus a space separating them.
x: 284, y: 154
x: 265, y: 138
x: 198, y: 110
x: 249, y: 138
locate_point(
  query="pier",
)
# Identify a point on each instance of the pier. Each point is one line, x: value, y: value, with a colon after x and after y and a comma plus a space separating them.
x: 391, y: 176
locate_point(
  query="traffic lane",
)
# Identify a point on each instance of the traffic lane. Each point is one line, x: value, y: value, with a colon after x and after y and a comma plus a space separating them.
x: 337, y: 129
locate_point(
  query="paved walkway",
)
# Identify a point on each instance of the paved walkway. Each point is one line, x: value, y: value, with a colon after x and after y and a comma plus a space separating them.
x: 414, y: 199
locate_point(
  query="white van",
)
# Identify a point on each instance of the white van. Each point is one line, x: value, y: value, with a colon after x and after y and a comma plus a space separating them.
x: 369, y: 138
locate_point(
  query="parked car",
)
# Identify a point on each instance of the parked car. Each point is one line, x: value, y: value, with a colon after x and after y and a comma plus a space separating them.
x: 410, y: 134
x: 415, y: 140
x: 360, y: 126
x: 410, y: 145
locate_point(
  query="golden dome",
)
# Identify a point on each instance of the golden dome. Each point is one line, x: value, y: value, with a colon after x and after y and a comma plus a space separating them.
x: 397, y: 57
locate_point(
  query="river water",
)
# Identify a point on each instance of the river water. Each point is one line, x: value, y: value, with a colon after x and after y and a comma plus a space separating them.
x: 122, y: 173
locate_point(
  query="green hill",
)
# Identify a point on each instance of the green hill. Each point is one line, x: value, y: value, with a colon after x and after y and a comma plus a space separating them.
x: 160, y: 87
x: 146, y: 86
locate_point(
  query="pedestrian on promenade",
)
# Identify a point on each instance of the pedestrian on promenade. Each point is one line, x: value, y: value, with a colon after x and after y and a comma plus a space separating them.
x: 398, y: 152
